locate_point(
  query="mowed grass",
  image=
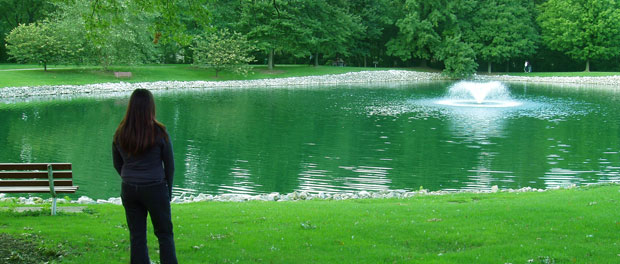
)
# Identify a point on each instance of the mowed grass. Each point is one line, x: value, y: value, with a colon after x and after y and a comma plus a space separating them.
x: 34, y: 75
x: 556, y: 74
x: 562, y: 226
x: 30, y: 75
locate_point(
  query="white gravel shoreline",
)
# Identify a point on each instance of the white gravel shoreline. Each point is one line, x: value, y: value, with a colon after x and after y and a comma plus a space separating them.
x: 12, y: 94
x: 363, y: 77
x: 277, y: 197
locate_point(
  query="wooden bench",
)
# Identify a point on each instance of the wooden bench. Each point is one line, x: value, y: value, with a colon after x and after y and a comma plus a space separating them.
x: 122, y: 74
x: 50, y: 178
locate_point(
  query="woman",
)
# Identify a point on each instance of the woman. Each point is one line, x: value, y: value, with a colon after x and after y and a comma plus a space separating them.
x: 143, y: 158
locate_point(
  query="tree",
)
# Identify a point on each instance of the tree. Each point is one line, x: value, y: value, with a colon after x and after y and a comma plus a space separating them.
x: 223, y: 50
x: 328, y: 28
x: 132, y: 31
x: 433, y: 30
x: 418, y: 33
x: 583, y: 29
x: 16, y: 12
x: 375, y: 16
x: 274, y: 26
x: 174, y: 24
x: 117, y: 33
x: 502, y: 30
x: 303, y: 28
x: 110, y: 31
x: 41, y: 43
x: 457, y: 56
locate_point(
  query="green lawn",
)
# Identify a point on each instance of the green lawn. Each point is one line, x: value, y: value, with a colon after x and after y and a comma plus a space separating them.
x: 579, y: 225
x: 8, y: 66
x: 33, y: 75
x: 556, y: 74
x: 58, y: 75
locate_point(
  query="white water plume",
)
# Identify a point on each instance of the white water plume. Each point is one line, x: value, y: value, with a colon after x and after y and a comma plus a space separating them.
x: 479, y: 94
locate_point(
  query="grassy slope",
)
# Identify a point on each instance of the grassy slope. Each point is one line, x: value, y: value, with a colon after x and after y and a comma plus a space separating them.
x: 579, y: 225
x: 58, y: 75
x: 147, y: 73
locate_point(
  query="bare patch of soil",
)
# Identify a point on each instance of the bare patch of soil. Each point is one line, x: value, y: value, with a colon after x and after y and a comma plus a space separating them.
x: 15, y: 249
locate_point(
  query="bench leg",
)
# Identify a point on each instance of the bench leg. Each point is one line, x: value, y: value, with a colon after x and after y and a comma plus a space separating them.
x: 54, y: 206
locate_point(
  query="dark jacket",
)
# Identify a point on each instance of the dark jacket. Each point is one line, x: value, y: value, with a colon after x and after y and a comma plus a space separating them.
x: 152, y: 166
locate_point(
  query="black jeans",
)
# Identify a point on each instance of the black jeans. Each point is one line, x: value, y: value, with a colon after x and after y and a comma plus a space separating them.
x: 153, y: 199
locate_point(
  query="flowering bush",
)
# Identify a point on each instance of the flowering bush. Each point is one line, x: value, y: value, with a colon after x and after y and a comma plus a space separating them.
x: 223, y: 50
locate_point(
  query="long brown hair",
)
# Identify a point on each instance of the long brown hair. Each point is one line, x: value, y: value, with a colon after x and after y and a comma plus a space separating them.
x: 139, y: 129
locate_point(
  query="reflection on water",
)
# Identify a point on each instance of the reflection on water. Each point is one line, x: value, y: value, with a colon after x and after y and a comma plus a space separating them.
x: 336, y: 139
x: 241, y: 181
x: 367, y: 178
x: 476, y: 124
x: 476, y: 127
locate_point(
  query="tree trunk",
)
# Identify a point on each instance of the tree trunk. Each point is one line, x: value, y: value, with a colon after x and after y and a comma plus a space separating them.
x: 364, y: 61
x: 508, y: 66
x: 44, y: 66
x: 217, y: 73
x: 588, y: 65
x: 489, y: 67
x: 270, y: 62
x: 316, y: 59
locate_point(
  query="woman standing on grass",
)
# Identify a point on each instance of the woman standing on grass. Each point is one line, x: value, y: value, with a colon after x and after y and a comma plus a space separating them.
x: 143, y: 158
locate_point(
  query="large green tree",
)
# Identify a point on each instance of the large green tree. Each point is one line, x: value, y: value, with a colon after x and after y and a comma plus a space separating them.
x: 457, y: 56
x: 15, y: 12
x: 275, y: 27
x: 114, y: 32
x: 502, y: 30
x: 583, y: 29
x: 376, y: 16
x: 130, y: 31
x: 174, y: 24
x: 433, y: 30
x: 328, y: 28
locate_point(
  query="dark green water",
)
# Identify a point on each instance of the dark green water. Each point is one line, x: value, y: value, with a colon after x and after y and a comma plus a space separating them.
x: 335, y: 139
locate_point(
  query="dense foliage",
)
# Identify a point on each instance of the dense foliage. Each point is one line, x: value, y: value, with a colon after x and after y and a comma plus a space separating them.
x: 223, y: 50
x: 583, y: 29
x: 503, y: 30
x: 42, y: 43
x: 459, y: 37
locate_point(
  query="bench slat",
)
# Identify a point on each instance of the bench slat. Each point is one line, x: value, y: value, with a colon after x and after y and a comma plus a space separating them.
x: 35, y: 183
x: 38, y: 189
x: 34, y: 166
x: 21, y: 178
x: 34, y: 174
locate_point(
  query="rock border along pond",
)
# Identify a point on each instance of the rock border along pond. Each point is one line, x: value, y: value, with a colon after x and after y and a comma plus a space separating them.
x: 18, y: 94
x: 277, y: 197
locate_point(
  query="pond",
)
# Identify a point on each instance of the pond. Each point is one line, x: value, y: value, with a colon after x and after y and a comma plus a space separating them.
x: 336, y: 139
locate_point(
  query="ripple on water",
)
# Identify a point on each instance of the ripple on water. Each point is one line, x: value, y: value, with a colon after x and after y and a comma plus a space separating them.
x: 543, y: 108
x: 484, y: 104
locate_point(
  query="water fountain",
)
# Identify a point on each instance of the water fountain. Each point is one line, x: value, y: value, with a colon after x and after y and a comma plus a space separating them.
x: 478, y: 94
